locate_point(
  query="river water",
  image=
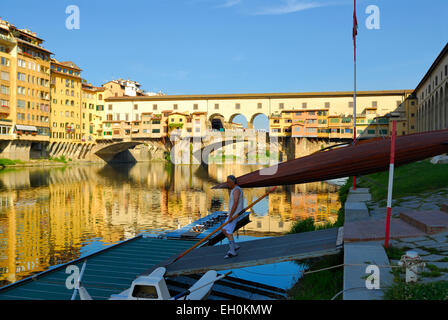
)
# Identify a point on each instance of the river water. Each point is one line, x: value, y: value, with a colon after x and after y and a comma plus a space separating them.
x: 50, y: 216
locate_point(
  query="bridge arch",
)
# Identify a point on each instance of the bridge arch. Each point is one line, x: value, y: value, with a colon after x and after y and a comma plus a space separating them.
x: 216, y: 121
x: 107, y: 151
x: 260, y: 121
x: 239, y: 118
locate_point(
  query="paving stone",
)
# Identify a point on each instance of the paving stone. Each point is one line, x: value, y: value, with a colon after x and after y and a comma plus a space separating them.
x: 440, y: 265
x: 439, y: 246
x: 417, y: 239
x: 429, y: 207
x: 428, y: 243
x: 444, y: 277
x: 432, y: 258
x: 359, y: 190
x: 355, y: 197
x: 441, y: 237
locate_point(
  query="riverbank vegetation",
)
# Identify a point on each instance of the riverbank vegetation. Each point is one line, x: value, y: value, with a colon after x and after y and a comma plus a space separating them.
x: 410, y: 179
x: 322, y: 285
x: 60, y: 159
x: 9, y: 162
x: 418, y: 291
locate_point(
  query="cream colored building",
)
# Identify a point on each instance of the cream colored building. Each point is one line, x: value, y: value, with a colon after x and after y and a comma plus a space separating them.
x: 432, y: 95
x: 228, y: 106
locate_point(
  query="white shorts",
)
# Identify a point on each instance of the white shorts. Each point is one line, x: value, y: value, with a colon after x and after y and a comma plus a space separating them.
x: 229, y: 228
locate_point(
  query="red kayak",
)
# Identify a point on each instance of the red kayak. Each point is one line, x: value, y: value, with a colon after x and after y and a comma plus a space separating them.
x: 354, y: 160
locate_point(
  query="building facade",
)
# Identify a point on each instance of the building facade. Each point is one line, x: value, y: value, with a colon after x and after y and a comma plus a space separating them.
x: 65, y: 102
x: 432, y: 95
x: 311, y: 115
x: 24, y: 93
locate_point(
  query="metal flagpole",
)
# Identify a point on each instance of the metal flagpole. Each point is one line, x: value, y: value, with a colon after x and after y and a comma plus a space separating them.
x: 355, y: 32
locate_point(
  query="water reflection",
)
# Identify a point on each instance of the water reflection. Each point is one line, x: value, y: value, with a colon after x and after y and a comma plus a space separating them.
x: 50, y: 216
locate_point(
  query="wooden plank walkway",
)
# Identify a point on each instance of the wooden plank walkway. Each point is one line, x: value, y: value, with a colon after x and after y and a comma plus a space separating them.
x: 257, y: 252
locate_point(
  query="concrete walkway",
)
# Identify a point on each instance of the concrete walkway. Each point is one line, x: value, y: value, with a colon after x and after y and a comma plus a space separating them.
x: 366, y: 253
x: 358, y: 227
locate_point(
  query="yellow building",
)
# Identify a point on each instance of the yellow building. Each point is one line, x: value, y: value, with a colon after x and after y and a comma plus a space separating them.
x: 92, y: 112
x: 65, y: 102
x: 24, y: 93
x: 8, y: 65
x: 33, y: 87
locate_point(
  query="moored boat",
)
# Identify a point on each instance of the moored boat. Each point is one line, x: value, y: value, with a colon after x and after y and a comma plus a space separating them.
x: 357, y: 159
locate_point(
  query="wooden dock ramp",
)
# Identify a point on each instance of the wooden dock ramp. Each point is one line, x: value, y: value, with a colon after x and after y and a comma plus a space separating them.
x: 257, y: 252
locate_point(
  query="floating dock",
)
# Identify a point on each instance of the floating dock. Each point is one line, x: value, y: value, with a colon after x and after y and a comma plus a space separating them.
x: 112, y: 270
x: 107, y: 272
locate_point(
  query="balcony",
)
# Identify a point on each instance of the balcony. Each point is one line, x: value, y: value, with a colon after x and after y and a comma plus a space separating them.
x: 7, y: 39
x: 4, y: 109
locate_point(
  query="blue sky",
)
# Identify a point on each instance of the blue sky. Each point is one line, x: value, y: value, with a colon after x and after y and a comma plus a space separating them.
x: 241, y: 46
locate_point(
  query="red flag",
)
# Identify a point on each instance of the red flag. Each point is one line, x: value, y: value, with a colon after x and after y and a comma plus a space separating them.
x: 355, y: 27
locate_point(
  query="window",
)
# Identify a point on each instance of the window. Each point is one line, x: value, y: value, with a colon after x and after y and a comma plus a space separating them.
x: 260, y: 105
x: 21, y: 104
x: 4, y: 61
x: 374, y: 104
x: 4, y: 103
x: 5, y: 89
x: 216, y: 106
x: 237, y: 106
x: 154, y: 107
x: 304, y: 105
x: 21, y: 76
x: 135, y: 106
x: 327, y: 105
x: 155, y: 130
x: 5, y: 76
x: 281, y: 105
x: 350, y: 105
x: 195, y: 107
x: 110, y: 107
x: 175, y: 107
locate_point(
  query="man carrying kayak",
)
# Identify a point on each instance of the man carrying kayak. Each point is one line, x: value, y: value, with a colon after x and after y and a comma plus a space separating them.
x: 236, y: 200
